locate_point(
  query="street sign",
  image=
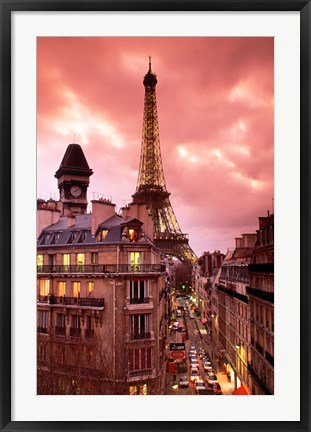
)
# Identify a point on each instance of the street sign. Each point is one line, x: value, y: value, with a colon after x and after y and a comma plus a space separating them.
x: 177, y: 347
x: 177, y: 354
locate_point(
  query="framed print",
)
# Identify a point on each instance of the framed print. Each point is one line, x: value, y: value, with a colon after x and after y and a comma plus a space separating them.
x: 104, y: 297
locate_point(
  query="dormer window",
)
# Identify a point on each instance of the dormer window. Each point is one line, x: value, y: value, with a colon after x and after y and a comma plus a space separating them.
x: 72, y: 237
x: 133, y: 234
x: 44, y: 239
x: 102, y: 235
x: 55, y: 238
x: 82, y: 237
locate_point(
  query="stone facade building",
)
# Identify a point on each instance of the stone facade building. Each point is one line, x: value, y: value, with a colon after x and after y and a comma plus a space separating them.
x: 101, y: 296
x: 261, y: 303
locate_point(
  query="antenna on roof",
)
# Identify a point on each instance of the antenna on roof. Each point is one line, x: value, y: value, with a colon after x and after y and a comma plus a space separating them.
x: 149, y: 63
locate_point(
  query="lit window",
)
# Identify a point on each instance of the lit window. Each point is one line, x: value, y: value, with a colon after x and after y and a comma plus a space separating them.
x: 80, y: 261
x: 39, y: 262
x: 44, y: 287
x: 135, y: 260
x: 133, y: 235
x: 90, y: 287
x: 76, y: 287
x: 66, y: 262
x: 61, y: 288
x: 102, y: 235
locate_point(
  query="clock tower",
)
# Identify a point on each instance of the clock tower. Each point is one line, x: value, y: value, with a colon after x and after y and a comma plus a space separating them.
x: 73, y: 178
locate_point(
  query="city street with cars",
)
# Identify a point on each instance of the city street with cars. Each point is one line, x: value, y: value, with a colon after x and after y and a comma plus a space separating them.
x: 202, y: 375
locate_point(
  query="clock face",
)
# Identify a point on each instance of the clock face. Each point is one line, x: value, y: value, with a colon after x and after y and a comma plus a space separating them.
x: 75, y: 191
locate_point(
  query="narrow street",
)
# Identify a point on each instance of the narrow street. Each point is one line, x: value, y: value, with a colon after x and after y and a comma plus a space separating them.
x: 198, y: 341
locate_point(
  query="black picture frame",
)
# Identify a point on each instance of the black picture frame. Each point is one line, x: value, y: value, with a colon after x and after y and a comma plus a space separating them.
x: 6, y: 9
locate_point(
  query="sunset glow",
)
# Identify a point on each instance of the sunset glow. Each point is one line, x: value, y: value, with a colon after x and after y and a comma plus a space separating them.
x: 216, y: 122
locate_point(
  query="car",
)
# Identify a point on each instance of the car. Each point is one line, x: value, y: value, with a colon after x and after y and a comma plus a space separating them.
x: 207, y: 366
x: 194, y: 374
x: 200, y: 385
x: 216, y: 388
x: 194, y: 362
x: 176, y: 325
x: 193, y: 348
x: 183, y: 381
x: 212, y: 379
x: 178, y: 313
x: 202, y: 353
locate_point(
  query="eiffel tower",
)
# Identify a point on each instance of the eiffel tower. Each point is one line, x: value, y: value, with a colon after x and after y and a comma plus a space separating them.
x: 151, y: 189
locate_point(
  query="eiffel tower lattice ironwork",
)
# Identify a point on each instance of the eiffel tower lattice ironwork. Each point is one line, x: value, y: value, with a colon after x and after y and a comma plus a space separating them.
x: 151, y: 189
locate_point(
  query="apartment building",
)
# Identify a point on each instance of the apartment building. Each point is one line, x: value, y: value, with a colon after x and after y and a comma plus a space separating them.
x: 261, y: 303
x: 101, y: 294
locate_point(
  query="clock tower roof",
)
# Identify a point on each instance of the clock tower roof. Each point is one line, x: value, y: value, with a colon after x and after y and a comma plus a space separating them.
x: 74, y: 162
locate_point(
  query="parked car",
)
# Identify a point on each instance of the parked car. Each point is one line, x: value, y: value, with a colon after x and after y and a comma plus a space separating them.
x: 217, y: 389
x: 211, y: 372
x: 212, y: 379
x: 200, y: 385
x: 202, y: 353
x: 183, y: 381
x: 178, y: 313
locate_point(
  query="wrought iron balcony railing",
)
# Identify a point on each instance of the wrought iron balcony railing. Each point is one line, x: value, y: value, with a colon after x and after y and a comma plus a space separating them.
x: 60, y: 330
x: 139, y: 300
x: 79, y: 301
x: 142, y: 335
x: 101, y: 268
x: 75, y: 331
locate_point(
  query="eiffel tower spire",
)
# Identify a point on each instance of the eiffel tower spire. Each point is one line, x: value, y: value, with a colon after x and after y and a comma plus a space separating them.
x: 151, y: 188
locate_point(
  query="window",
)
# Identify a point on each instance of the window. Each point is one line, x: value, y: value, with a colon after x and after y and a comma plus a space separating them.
x: 76, y: 289
x: 102, y: 235
x: 90, y: 287
x: 43, y: 321
x: 139, y: 359
x: 94, y: 257
x: 140, y: 327
x: 61, y: 289
x: 80, y: 261
x: 89, y: 332
x: 55, y: 238
x: 44, y: 239
x: 44, y: 288
x: 139, y: 390
x: 82, y: 237
x: 60, y: 324
x: 39, y: 262
x: 138, y: 291
x: 75, y: 329
x: 72, y: 238
x: 66, y: 262
x: 135, y: 260
x: 133, y: 234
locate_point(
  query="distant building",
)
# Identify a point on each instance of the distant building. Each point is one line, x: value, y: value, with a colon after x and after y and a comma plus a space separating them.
x: 230, y: 312
x: 102, y: 306
x: 261, y: 303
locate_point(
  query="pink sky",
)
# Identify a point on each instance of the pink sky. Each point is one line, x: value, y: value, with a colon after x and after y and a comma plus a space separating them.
x: 215, y: 99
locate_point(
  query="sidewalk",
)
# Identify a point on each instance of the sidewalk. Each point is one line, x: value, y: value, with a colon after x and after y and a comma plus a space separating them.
x: 226, y: 386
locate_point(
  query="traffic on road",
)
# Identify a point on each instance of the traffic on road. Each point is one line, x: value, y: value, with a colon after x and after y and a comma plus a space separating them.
x: 198, y: 376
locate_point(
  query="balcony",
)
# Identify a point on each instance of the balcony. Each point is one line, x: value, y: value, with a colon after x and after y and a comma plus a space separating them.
x: 263, y: 295
x: 61, y: 331
x: 42, y: 330
x: 75, y: 331
x: 72, y: 301
x: 261, y: 268
x: 259, y: 348
x: 99, y: 269
x: 140, y: 300
x: 139, y: 374
x: 139, y: 336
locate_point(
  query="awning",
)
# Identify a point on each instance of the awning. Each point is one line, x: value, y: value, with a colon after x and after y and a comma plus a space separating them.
x: 241, y: 391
